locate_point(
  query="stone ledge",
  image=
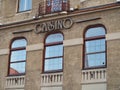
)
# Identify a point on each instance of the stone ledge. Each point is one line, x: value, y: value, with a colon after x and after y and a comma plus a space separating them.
x: 35, y: 47
x: 73, y: 42
x: 4, y: 51
x: 113, y: 36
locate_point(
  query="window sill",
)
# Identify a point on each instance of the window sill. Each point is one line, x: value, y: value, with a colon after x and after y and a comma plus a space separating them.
x: 15, y: 75
x: 94, y: 68
x: 55, y: 71
x: 24, y: 12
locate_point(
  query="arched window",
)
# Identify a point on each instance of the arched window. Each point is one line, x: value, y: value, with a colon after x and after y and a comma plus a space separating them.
x: 95, y: 48
x: 17, y: 57
x: 53, y: 59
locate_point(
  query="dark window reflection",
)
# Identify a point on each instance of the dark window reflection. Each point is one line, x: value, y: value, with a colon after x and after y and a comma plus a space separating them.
x: 95, y: 48
x: 18, y: 57
x: 53, y: 52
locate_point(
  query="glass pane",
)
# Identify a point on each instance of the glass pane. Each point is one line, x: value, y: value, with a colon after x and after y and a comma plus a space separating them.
x: 19, y: 43
x: 53, y: 64
x: 28, y: 4
x: 17, y: 68
x: 56, y: 5
x: 54, y: 38
x: 53, y: 51
x: 21, y: 5
x: 48, y: 2
x: 95, y: 60
x: 19, y: 55
x: 95, y: 45
x: 25, y: 5
x: 95, y: 32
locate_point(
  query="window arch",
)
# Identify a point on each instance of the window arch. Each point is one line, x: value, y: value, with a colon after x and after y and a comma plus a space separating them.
x: 53, y: 56
x: 95, y: 47
x: 17, y: 57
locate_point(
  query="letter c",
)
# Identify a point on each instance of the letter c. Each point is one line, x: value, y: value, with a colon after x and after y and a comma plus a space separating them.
x: 37, y: 29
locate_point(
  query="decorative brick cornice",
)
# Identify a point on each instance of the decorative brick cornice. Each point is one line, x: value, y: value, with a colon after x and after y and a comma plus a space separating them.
x: 59, y: 16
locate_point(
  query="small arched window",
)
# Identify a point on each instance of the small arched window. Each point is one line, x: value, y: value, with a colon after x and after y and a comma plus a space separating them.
x: 17, y: 57
x: 95, y: 48
x: 53, y: 59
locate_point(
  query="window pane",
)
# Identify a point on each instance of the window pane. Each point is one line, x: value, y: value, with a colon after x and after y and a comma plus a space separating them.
x: 95, y: 45
x: 48, y: 2
x: 21, y: 5
x: 19, y: 43
x: 53, y: 51
x: 54, y: 38
x: 17, y: 68
x: 18, y: 55
x: 95, y: 60
x: 25, y: 5
x: 29, y: 4
x: 53, y: 64
x: 56, y: 5
x: 95, y: 32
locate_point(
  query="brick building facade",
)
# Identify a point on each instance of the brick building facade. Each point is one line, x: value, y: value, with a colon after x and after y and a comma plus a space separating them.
x: 59, y: 45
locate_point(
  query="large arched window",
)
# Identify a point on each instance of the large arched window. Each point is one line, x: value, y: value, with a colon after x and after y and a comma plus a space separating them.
x: 53, y: 59
x: 17, y: 57
x: 95, y: 48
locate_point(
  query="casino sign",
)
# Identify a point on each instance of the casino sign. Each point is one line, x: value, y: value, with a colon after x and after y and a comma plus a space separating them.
x: 53, y: 25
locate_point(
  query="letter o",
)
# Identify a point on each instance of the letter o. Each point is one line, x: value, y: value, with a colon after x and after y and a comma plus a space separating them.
x: 67, y: 23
